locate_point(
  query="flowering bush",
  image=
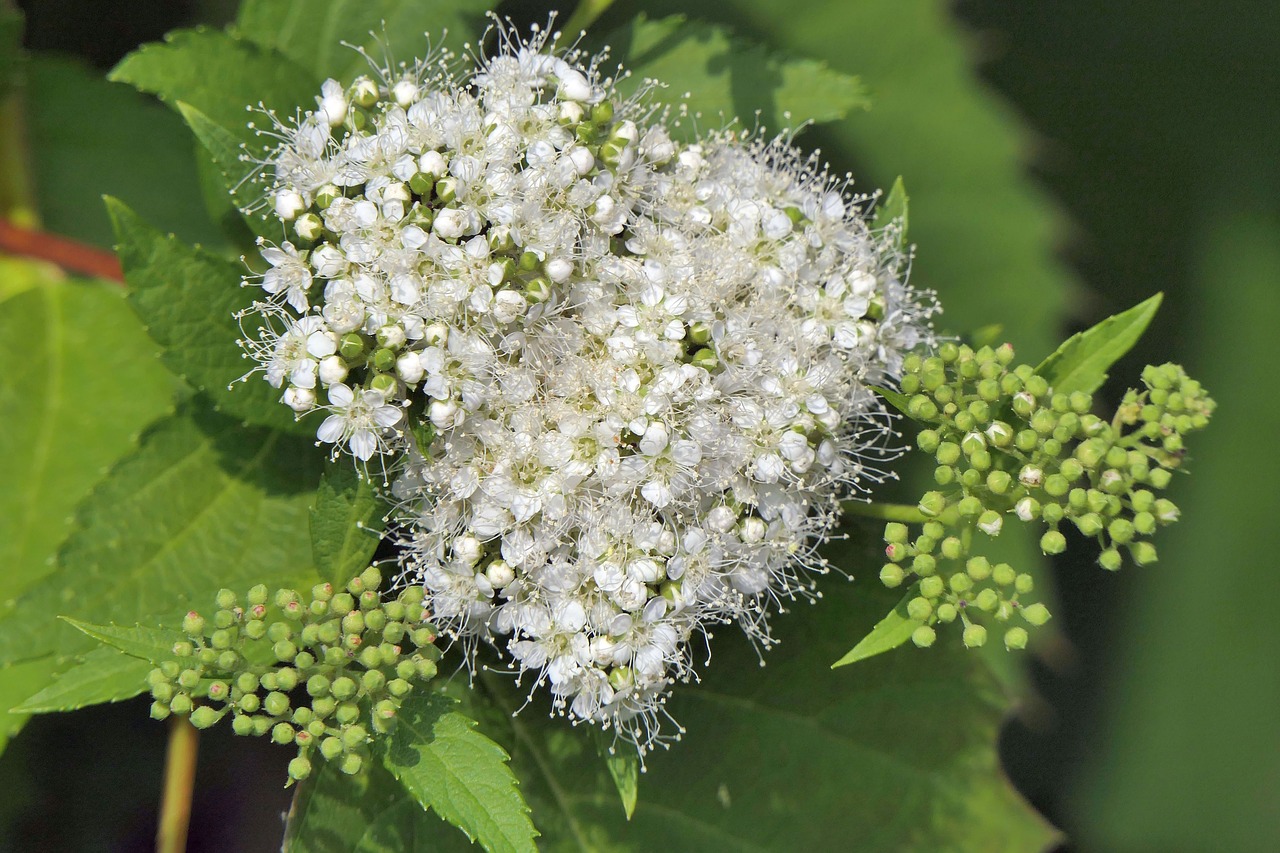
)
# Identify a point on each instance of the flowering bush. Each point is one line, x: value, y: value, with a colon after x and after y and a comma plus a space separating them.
x: 551, y: 375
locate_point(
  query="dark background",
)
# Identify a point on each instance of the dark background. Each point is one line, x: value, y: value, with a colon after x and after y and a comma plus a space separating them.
x: 1153, y: 724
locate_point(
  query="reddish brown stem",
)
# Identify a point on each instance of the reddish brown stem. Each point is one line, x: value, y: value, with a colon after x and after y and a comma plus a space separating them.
x: 68, y: 254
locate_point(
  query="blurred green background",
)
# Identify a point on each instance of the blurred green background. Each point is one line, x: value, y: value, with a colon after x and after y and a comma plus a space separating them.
x: 1064, y: 161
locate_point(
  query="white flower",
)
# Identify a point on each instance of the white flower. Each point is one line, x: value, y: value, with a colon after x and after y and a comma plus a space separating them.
x: 646, y: 366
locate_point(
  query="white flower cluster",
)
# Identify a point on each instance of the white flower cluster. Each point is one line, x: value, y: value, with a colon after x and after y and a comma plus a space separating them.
x: 621, y: 378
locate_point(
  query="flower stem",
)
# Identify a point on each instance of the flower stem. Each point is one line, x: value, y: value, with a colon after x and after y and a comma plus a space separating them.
x: 584, y: 15
x: 179, y: 784
x: 887, y: 512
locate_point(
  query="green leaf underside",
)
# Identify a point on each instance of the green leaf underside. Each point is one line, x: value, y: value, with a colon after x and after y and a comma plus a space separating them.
x: 451, y: 768
x: 345, y: 522
x: 889, y: 633
x: 230, y: 185
x: 311, y: 32
x: 204, y: 503
x: 1081, y: 363
x: 894, y: 209
x: 367, y: 813
x: 89, y: 138
x: 148, y: 644
x: 729, y: 76
x: 898, y: 753
x: 104, y: 675
x: 187, y: 299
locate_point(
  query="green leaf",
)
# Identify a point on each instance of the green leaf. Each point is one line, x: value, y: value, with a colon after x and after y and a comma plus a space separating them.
x: 149, y: 644
x: 367, y: 813
x: 442, y: 760
x: 221, y: 76
x: 311, y: 32
x: 236, y: 185
x: 894, y: 210
x: 624, y: 770
x: 1081, y: 363
x: 17, y: 682
x: 188, y: 298
x: 889, y: 633
x: 898, y: 753
x: 731, y: 76
x: 90, y: 138
x: 893, y: 398
x: 204, y: 503
x: 67, y: 350
x: 345, y: 522
x: 104, y: 675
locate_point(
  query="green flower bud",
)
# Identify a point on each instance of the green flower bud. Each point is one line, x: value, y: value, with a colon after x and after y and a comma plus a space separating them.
x: 284, y: 650
x: 373, y: 681
x: 1120, y: 530
x: 928, y: 440
x: 193, y: 624
x: 999, y: 482
x: 299, y: 769
x: 189, y: 678
x: 254, y: 629
x: 978, y: 568
x: 1052, y: 513
x: 1003, y: 574
x: 919, y: 609
x: 1090, y: 524
x: 924, y: 636
x: 1023, y: 584
x: 1110, y: 560
x: 351, y: 764
x: 249, y: 703
x: 242, y: 725
x: 329, y: 632
x: 1160, y: 477
x: 347, y: 713
x: 181, y: 704
x: 947, y: 612
x: 969, y: 507
x: 974, y: 636
x: 316, y: 728
x: 162, y: 692
x: 986, y: 600
x: 1143, y: 553
x: 370, y: 657
x: 924, y: 564
x: 160, y: 710
x: 219, y: 691
x: 423, y: 637
x: 343, y: 688
x: 323, y: 706
x: 1144, y: 523
x: 276, y: 704
x: 342, y: 604
x: 952, y: 548
x: 426, y: 669
x: 990, y: 522
x: 960, y: 583
x: 931, y: 587
x: 282, y: 733
x: 1015, y: 639
x: 1036, y: 614
x: 1053, y: 542
x: 948, y: 453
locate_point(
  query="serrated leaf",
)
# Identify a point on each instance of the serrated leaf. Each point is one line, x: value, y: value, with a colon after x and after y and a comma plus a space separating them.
x: 367, y: 813
x: 235, y: 186
x: 149, y: 644
x: 187, y: 298
x: 724, y: 74
x: 889, y: 633
x: 1081, y: 363
x: 17, y: 682
x: 446, y: 764
x: 894, y: 210
x: 898, y: 753
x: 311, y: 32
x: 78, y: 382
x: 345, y: 522
x: 220, y: 75
x: 90, y: 138
x: 204, y: 503
x: 104, y: 675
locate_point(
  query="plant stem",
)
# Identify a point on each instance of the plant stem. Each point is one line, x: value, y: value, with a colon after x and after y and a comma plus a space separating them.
x: 887, y: 512
x: 70, y: 255
x: 179, y: 784
x: 584, y: 15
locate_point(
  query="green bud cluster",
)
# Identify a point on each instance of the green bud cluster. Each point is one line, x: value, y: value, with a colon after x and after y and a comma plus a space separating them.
x: 325, y: 674
x: 1009, y: 448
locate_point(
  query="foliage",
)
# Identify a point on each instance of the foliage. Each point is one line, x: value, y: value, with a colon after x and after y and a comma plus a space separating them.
x: 223, y: 491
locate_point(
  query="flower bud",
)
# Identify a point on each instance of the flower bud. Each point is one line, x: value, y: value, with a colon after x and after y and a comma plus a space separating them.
x: 990, y: 522
x: 351, y: 764
x: 1015, y: 639
x: 891, y: 575
x: 931, y: 587
x: 924, y: 636
x: 299, y: 769
x: 1036, y: 614
x: 1143, y: 553
x: 193, y: 624
x: 276, y: 704
x: 1053, y: 542
x: 974, y: 636
x: 919, y: 609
